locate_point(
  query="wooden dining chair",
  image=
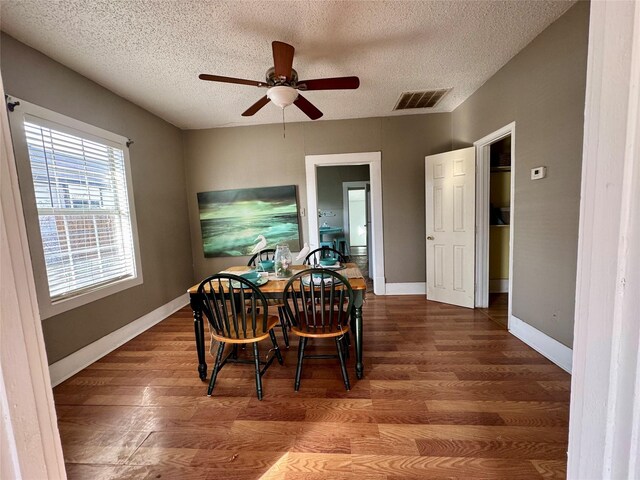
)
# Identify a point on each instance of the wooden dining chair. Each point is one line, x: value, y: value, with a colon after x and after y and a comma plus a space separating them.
x: 238, y: 315
x: 314, y: 256
x: 266, y: 254
x: 269, y: 254
x: 318, y: 303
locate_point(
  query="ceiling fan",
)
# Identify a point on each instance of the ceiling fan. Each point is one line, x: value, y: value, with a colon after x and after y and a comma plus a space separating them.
x: 283, y: 84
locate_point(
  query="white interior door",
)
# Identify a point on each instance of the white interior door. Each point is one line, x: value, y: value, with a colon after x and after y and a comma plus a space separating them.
x: 357, y: 218
x: 450, y: 226
x: 361, y: 215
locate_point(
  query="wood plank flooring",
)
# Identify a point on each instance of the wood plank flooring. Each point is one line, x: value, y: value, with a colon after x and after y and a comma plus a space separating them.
x: 447, y: 393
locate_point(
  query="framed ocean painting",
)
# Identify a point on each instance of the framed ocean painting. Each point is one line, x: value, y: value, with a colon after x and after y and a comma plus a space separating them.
x: 231, y: 220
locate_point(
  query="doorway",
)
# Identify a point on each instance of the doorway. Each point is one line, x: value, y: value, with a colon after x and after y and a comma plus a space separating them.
x: 357, y: 221
x: 318, y: 216
x: 342, y: 211
x: 495, y: 167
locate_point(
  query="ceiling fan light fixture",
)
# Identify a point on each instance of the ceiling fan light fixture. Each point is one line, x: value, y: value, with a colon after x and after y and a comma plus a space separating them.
x: 283, y: 80
x: 282, y: 95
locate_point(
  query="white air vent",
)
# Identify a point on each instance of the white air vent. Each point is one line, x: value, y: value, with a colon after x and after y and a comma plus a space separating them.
x: 424, y: 99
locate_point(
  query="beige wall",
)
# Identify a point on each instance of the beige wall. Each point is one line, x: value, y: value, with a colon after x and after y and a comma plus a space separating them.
x: 542, y: 89
x: 330, y: 192
x: 259, y: 156
x: 159, y: 192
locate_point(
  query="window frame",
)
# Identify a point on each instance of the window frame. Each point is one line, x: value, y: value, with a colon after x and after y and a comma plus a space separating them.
x: 63, y: 123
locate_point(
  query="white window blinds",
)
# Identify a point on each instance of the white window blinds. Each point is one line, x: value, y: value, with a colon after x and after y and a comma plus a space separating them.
x: 83, y: 208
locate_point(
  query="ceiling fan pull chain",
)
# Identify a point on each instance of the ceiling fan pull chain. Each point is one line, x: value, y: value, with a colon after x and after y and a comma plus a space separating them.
x: 284, y: 128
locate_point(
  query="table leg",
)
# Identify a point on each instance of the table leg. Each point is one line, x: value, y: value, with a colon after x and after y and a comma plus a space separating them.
x: 198, y: 326
x: 356, y: 325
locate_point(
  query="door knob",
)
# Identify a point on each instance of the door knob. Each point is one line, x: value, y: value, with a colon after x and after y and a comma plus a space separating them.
x: 430, y: 238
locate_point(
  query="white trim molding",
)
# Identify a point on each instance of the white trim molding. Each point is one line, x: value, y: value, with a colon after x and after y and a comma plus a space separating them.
x: 542, y: 343
x: 374, y: 160
x: 72, y: 364
x: 29, y: 436
x: 380, y: 282
x: 411, y: 288
x: 604, y: 425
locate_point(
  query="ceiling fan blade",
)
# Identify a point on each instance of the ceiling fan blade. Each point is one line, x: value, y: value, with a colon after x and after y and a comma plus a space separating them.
x: 255, y: 107
x: 338, y: 83
x: 308, y: 108
x: 218, y: 78
x: 282, y: 59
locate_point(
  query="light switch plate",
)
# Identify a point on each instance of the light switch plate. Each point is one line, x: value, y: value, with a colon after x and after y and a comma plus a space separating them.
x: 538, y: 172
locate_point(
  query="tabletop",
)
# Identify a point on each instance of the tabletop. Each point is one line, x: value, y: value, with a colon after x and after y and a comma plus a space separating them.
x: 351, y: 272
x: 330, y: 229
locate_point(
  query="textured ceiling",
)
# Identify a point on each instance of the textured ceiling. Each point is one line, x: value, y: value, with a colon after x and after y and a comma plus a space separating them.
x: 151, y: 52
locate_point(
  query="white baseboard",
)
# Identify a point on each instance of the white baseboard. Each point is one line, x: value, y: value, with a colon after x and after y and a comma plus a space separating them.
x: 555, y: 351
x: 498, y: 285
x: 72, y: 364
x: 415, y: 288
x: 379, y: 287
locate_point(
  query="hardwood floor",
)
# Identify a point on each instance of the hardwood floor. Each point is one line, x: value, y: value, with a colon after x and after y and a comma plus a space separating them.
x: 497, y: 310
x: 447, y: 393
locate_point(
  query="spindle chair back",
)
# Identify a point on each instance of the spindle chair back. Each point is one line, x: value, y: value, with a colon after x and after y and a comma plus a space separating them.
x: 313, y: 258
x: 269, y: 254
x: 237, y: 313
x: 266, y: 254
x: 318, y: 303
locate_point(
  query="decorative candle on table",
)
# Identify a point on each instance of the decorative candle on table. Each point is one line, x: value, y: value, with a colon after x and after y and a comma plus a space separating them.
x: 283, y: 261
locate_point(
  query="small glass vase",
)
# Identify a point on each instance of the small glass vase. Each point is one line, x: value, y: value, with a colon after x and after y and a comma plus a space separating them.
x: 283, y: 260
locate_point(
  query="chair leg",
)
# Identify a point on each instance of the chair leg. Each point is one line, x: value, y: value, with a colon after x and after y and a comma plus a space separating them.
x: 343, y: 367
x: 283, y: 325
x: 216, y: 368
x: 256, y: 355
x: 301, y: 345
x: 275, y: 347
x: 346, y: 343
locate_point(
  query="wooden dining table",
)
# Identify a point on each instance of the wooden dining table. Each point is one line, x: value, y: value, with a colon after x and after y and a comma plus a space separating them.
x: 273, y: 289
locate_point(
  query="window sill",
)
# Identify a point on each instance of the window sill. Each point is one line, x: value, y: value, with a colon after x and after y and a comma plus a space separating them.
x: 49, y: 309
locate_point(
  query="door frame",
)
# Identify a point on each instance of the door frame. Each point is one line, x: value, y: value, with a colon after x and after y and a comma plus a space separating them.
x: 346, y: 186
x: 374, y: 160
x: 29, y: 428
x: 483, y: 171
x: 604, y: 423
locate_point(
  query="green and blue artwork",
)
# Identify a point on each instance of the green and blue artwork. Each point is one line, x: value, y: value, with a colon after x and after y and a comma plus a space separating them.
x: 231, y: 220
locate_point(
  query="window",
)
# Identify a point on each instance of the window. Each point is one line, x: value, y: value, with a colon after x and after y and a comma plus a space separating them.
x: 84, y: 217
